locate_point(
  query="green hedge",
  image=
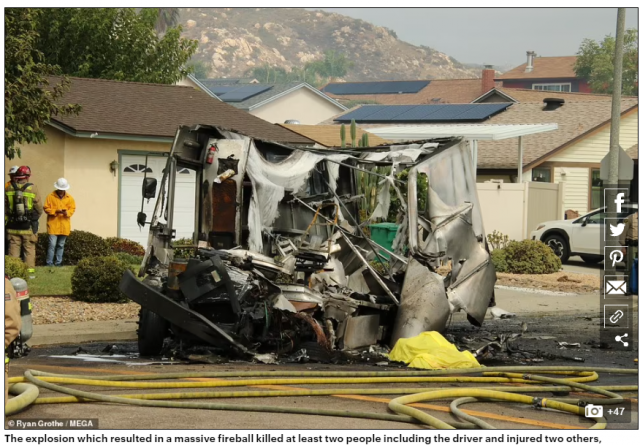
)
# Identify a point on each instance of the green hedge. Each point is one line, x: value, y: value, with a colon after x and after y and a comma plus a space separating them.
x: 122, y: 245
x: 15, y: 268
x: 79, y: 245
x: 526, y: 257
x: 96, y: 280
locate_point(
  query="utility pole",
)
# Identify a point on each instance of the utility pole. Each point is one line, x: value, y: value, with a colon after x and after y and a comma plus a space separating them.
x: 614, y: 140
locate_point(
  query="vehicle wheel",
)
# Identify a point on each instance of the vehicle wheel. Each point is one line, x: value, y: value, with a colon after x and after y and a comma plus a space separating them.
x: 559, y: 246
x: 152, y: 329
x: 591, y: 259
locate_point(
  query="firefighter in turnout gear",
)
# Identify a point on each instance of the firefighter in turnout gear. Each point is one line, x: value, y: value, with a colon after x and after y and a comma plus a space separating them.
x: 12, y: 326
x: 22, y: 209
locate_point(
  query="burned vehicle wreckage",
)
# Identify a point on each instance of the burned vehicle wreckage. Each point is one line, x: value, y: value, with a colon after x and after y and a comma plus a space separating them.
x: 280, y: 257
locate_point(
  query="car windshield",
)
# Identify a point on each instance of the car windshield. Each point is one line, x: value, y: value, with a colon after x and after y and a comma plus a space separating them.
x: 598, y: 216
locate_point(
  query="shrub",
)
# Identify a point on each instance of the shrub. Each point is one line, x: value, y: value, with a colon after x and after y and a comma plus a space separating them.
x: 498, y: 240
x: 96, y: 280
x: 79, y: 245
x: 121, y: 245
x: 15, y: 268
x: 126, y: 258
x: 499, y: 260
x: 530, y: 257
x: 183, y: 253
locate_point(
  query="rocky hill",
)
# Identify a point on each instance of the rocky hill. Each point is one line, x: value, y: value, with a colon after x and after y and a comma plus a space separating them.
x: 233, y: 40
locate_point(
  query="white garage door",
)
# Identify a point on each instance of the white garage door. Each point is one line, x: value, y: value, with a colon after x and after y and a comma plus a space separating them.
x: 132, y: 169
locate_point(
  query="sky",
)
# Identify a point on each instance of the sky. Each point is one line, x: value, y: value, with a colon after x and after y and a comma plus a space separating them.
x: 496, y: 36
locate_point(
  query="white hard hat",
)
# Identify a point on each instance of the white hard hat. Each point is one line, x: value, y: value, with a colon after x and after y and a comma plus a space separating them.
x: 61, y: 184
x: 13, y: 170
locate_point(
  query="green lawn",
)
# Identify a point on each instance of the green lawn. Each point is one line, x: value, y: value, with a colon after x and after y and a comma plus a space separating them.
x: 51, y: 281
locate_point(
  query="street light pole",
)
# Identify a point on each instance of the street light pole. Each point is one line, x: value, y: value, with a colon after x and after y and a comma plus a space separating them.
x: 614, y: 140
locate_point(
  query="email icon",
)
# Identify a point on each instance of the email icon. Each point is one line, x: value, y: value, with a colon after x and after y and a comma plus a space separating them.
x: 615, y: 286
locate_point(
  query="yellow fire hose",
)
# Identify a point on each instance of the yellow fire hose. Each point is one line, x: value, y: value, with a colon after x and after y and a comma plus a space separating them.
x: 575, y: 380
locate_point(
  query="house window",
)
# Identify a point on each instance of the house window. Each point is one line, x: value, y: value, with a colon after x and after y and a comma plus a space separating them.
x: 564, y: 87
x: 595, y: 190
x: 137, y: 168
x: 541, y: 174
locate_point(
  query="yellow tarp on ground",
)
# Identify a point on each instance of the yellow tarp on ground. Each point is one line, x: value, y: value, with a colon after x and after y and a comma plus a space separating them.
x: 430, y: 350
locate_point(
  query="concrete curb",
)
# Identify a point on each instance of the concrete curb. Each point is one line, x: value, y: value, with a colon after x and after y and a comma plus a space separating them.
x: 83, y: 332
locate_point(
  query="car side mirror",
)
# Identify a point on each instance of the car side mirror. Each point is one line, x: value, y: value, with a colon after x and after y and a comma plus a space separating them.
x: 584, y: 222
x: 142, y: 219
x: 149, y: 188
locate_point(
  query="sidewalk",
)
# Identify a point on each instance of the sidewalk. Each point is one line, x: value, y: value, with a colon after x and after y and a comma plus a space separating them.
x: 83, y: 332
x: 516, y: 301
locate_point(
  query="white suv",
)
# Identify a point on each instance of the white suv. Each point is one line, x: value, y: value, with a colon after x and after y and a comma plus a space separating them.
x: 581, y: 236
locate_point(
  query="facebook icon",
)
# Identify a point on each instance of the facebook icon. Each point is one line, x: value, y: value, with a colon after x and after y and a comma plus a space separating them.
x: 619, y: 201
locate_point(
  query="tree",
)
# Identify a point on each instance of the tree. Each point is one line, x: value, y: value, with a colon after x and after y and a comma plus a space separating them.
x: 333, y: 65
x: 595, y: 64
x: 199, y: 69
x: 113, y: 43
x: 167, y: 18
x: 314, y: 73
x: 29, y: 98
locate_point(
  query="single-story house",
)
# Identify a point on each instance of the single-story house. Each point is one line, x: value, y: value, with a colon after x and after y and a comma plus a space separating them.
x: 102, y: 150
x: 571, y: 154
x: 276, y: 103
x: 329, y: 135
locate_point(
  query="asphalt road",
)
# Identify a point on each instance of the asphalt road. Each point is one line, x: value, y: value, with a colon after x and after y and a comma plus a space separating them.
x: 538, y: 346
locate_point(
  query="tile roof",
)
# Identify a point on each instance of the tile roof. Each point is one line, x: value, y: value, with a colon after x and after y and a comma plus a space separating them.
x: 574, y: 119
x: 329, y: 135
x: 453, y: 91
x: 524, y: 95
x: 544, y: 68
x: 154, y: 110
x: 633, y: 152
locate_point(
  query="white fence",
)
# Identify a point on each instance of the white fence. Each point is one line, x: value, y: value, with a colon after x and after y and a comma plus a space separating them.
x: 517, y: 209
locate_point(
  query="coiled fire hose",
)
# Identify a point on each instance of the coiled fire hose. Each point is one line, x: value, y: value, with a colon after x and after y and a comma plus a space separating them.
x: 576, y: 377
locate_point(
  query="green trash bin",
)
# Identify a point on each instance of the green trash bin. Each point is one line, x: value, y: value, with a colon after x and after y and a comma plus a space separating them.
x: 384, y: 234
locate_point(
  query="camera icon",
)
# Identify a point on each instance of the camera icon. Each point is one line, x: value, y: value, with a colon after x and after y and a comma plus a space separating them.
x: 593, y: 411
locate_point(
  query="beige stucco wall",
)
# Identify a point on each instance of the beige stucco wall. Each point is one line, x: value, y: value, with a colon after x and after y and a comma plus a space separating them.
x: 93, y: 186
x: 85, y: 163
x: 46, y: 162
x: 302, y: 105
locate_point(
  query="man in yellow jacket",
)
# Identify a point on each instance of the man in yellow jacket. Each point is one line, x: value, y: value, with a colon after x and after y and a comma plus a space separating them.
x: 59, y: 207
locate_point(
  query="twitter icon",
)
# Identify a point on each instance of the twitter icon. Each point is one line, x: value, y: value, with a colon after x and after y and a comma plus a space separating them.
x: 616, y: 230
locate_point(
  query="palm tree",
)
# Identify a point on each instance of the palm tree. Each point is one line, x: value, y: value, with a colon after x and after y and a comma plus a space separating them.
x: 167, y: 18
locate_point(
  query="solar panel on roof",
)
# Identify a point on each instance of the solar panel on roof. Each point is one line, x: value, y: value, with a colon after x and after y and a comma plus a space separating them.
x: 423, y: 113
x: 361, y: 113
x: 220, y: 89
x: 390, y: 113
x: 239, y: 94
x: 491, y: 109
x: 389, y: 87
